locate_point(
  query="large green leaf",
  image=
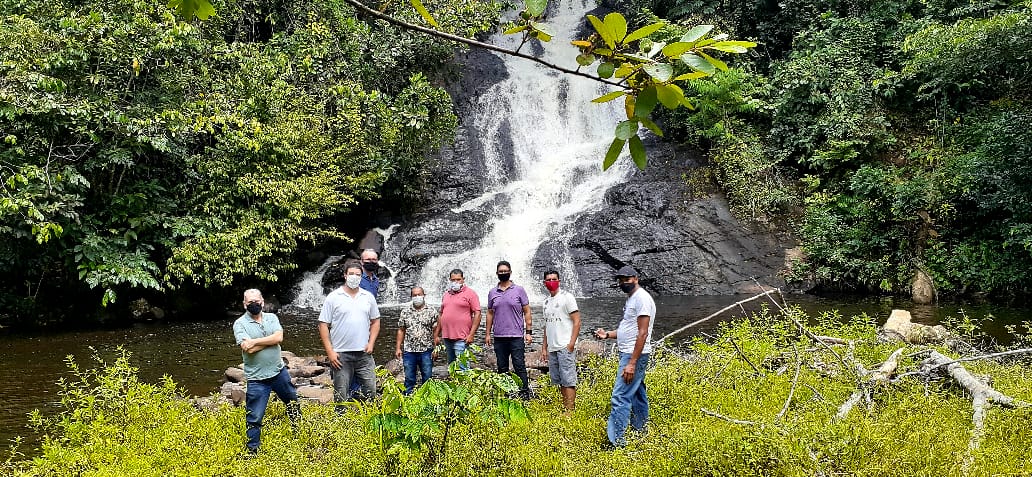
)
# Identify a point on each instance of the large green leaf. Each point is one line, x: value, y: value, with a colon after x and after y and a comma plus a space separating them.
x: 646, y: 102
x: 733, y: 46
x: 536, y: 7
x: 676, y: 49
x: 651, y: 126
x: 613, y: 153
x: 637, y: 152
x: 606, y: 69
x: 695, y: 33
x: 715, y: 62
x: 423, y: 12
x: 605, y: 98
x: 670, y: 95
x: 661, y: 72
x: 515, y: 29
x: 603, y: 30
x: 542, y: 27
x: 187, y: 9
x: 618, y: 24
x: 626, y: 129
x: 643, y: 32
x: 698, y: 63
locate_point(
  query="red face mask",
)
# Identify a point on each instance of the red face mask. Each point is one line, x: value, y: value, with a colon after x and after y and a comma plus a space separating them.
x: 552, y: 285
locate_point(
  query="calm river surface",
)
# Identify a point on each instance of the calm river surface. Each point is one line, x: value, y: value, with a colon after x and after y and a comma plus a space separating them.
x: 196, y: 353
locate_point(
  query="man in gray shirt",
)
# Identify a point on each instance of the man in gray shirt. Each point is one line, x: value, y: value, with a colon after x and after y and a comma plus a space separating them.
x: 348, y: 326
x: 259, y: 336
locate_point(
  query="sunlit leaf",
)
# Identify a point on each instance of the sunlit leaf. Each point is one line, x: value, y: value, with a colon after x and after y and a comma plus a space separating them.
x: 646, y: 102
x: 581, y: 43
x: 585, y: 59
x: 187, y: 9
x: 624, y: 70
x: 536, y: 7
x: 661, y: 72
x: 637, y: 152
x: 715, y: 62
x: 515, y: 29
x: 545, y: 37
x: 695, y: 33
x: 670, y: 95
x: 613, y: 153
x: 691, y: 76
x: 643, y: 32
x: 618, y: 24
x: 605, y: 98
x: 698, y: 63
x: 603, y: 30
x: 626, y: 129
x: 418, y: 5
x: 676, y: 49
x: 629, y: 101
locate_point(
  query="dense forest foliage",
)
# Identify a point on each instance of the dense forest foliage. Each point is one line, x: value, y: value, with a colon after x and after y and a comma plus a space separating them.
x: 894, y: 134
x: 142, y: 152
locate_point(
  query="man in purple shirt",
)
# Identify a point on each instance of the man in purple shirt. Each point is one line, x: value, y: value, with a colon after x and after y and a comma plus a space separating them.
x: 508, y: 322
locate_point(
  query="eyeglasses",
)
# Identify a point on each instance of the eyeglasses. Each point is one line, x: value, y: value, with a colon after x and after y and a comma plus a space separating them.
x: 552, y: 280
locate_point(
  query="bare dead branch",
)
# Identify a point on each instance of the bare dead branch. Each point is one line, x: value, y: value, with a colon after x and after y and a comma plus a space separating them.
x: 791, y: 390
x: 728, y: 419
x: 715, y: 314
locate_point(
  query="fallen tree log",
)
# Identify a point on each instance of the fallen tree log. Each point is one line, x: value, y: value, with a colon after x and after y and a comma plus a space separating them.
x: 879, y: 376
x: 981, y: 393
x: 900, y: 328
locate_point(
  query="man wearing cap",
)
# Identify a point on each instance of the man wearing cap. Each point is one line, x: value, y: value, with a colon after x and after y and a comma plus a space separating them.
x: 634, y: 341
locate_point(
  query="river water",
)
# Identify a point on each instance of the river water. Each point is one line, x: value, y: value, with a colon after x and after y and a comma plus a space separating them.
x: 195, y: 353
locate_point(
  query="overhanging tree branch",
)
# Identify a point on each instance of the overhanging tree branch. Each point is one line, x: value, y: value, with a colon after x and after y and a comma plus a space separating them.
x: 487, y: 46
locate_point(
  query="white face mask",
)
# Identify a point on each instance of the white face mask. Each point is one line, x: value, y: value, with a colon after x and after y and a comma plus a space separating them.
x: 352, y: 281
x: 418, y: 300
x: 455, y: 286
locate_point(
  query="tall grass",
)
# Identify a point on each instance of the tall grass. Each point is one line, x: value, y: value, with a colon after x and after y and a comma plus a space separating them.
x: 113, y: 424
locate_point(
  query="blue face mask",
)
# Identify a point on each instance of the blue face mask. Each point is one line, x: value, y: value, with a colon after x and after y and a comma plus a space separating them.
x: 627, y: 287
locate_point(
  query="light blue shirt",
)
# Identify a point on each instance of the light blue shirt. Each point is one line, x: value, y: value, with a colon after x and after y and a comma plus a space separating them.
x: 267, y: 362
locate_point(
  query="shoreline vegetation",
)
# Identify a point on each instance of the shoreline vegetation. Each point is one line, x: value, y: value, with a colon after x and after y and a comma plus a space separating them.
x: 774, y: 393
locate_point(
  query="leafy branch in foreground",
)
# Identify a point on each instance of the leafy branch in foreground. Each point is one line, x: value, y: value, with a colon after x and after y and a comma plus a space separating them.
x: 647, y: 72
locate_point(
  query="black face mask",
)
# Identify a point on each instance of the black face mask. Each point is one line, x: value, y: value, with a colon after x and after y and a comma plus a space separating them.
x: 627, y: 287
x: 504, y: 277
x: 370, y: 266
x: 254, y: 308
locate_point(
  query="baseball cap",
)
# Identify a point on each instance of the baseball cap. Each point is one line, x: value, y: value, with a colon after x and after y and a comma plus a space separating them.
x: 626, y: 271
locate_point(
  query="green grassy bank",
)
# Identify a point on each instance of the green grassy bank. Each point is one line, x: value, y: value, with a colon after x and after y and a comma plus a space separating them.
x: 116, y: 425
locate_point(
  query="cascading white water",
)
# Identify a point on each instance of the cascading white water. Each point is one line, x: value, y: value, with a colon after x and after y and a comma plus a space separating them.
x: 554, y: 173
x: 309, y: 290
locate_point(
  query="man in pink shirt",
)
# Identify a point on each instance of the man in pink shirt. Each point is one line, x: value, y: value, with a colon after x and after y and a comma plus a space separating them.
x: 460, y: 316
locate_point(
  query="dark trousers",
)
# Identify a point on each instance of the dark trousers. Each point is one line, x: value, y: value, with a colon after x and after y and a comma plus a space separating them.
x: 355, y: 365
x: 504, y: 348
x: 257, y: 400
x: 422, y: 362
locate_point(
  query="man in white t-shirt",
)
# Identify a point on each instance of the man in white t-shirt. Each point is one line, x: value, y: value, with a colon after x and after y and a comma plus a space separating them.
x: 348, y: 326
x: 562, y: 325
x: 634, y: 341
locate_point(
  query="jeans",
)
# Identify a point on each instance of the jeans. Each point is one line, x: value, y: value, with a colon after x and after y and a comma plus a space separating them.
x: 455, y: 348
x: 361, y: 366
x: 629, y: 402
x: 422, y: 362
x: 257, y: 400
x: 504, y: 347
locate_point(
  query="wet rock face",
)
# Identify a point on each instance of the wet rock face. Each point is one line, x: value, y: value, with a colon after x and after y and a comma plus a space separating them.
x: 680, y: 246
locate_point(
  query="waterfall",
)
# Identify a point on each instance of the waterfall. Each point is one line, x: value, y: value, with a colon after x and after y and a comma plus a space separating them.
x: 309, y: 292
x: 543, y: 142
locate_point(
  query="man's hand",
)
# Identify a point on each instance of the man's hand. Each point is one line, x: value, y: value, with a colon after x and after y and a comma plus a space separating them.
x: 369, y: 348
x: 397, y: 353
x: 601, y: 334
x: 487, y: 341
x: 334, y: 360
x: 544, y: 353
x: 570, y: 347
x: 628, y: 371
x: 469, y: 339
x: 528, y: 338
